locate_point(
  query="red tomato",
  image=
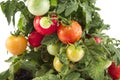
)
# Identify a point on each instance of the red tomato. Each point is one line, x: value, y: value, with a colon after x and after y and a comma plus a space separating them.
x: 35, y: 39
x: 45, y: 25
x: 114, y: 71
x: 69, y: 34
x: 16, y: 44
x: 98, y: 40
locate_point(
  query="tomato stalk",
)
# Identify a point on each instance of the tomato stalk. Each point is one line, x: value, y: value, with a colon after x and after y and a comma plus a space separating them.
x: 64, y: 21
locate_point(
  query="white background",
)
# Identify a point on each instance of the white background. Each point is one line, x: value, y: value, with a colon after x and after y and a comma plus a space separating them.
x: 110, y: 12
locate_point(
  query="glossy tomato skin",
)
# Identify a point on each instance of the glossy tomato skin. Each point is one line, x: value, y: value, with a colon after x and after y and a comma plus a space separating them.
x: 45, y: 31
x: 69, y: 34
x: 35, y: 39
x: 16, y: 44
x: 74, y: 54
x: 114, y: 71
x: 57, y: 64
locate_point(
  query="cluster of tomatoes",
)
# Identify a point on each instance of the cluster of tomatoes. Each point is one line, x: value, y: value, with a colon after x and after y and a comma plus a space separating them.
x: 44, y: 25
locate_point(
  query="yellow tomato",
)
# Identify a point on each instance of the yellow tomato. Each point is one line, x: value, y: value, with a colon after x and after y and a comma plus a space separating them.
x: 57, y: 64
x: 74, y: 54
x: 16, y: 44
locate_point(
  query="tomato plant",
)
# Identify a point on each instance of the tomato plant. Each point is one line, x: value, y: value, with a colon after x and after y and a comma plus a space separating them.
x: 45, y: 25
x: 53, y: 49
x: 71, y: 33
x: 16, y: 44
x: 38, y: 7
x: 74, y: 54
x: 69, y: 60
x: 57, y: 64
x: 35, y: 39
x: 114, y: 71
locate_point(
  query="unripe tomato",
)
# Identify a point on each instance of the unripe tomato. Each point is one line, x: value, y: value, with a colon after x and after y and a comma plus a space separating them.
x: 35, y: 39
x: 57, y: 64
x: 69, y: 34
x: 45, y: 25
x: 74, y: 54
x: 16, y: 44
x: 53, y: 49
x: 38, y: 7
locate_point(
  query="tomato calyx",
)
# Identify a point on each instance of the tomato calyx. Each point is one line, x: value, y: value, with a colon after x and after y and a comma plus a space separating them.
x: 16, y: 33
x: 64, y: 21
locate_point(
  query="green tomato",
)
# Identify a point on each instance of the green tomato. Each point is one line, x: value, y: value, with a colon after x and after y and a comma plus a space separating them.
x: 53, y: 49
x: 74, y: 54
x: 57, y: 64
x: 38, y: 7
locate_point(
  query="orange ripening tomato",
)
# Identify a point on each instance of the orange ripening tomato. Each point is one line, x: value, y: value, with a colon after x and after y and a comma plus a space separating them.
x: 16, y: 44
x: 71, y: 33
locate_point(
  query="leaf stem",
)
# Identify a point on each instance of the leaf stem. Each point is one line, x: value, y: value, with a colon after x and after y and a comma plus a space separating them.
x: 106, y: 49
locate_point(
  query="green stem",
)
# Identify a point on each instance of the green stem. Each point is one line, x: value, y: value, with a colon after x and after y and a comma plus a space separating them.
x: 106, y: 49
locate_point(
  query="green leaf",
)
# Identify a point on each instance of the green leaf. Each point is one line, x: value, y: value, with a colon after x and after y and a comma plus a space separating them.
x: 97, y: 25
x: 50, y: 39
x: 21, y: 23
x: 61, y: 8
x: 87, y: 11
x: 115, y: 50
x: 73, y: 76
x: 11, y: 59
x: 29, y: 65
x: 42, y: 71
x: 72, y: 6
x: 4, y: 75
x: 14, y: 67
x: 53, y: 77
x: 62, y: 55
x: 65, y: 69
x: 23, y: 9
x: 54, y: 3
x: 9, y: 9
x: 92, y: 1
x: 96, y: 69
x: 41, y: 78
x: 47, y: 77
